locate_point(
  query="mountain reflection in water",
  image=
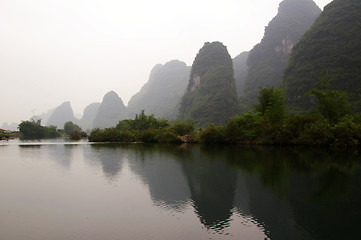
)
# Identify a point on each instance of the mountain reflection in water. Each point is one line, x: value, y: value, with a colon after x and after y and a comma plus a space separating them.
x: 291, y: 194
x: 234, y: 192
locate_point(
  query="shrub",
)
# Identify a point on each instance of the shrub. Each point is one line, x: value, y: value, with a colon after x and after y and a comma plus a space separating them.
x: 212, y: 134
x: 75, y: 135
x: 243, y: 128
x: 183, y: 128
x: 317, y: 133
x: 294, y: 126
x: 347, y: 132
x: 271, y: 104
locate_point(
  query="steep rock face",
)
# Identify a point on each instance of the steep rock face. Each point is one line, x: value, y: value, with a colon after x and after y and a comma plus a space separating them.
x: 90, y: 112
x: 62, y: 114
x: 240, y: 70
x: 331, y: 47
x: 162, y: 93
x: 268, y: 59
x: 211, y: 96
x: 110, y: 111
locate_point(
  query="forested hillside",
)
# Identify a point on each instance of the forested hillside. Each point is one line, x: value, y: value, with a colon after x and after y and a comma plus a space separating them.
x: 331, y: 48
x: 268, y: 59
x: 211, y: 96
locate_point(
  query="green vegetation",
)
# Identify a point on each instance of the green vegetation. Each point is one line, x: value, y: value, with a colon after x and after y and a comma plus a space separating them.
x: 211, y: 96
x: 74, y: 131
x: 332, y: 104
x: 144, y: 128
x: 34, y: 130
x: 268, y: 124
x: 332, y: 125
x: 268, y: 59
x: 331, y: 47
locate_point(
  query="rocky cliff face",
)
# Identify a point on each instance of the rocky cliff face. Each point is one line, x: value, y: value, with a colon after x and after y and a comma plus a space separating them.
x: 332, y: 48
x: 62, y: 114
x: 110, y: 111
x: 268, y: 59
x: 162, y: 93
x: 211, y: 96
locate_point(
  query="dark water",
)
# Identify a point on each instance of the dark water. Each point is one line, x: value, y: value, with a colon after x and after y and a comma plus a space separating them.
x: 83, y: 191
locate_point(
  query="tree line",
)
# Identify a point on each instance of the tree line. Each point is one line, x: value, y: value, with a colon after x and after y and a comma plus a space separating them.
x: 269, y: 123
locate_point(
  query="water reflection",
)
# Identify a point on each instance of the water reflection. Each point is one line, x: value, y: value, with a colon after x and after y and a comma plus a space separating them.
x: 290, y: 194
x: 293, y: 193
x: 110, y: 156
x: 212, y: 183
x: 61, y: 154
x: 309, y: 198
x: 160, y: 168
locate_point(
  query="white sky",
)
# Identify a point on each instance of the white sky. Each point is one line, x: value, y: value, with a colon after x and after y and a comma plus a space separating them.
x: 52, y: 51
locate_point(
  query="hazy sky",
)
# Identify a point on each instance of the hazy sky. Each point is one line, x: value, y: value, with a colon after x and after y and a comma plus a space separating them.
x: 52, y: 51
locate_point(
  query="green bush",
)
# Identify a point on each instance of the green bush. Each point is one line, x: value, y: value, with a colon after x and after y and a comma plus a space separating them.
x: 318, y: 133
x: 183, y: 128
x: 212, y: 135
x: 347, y: 132
x: 70, y: 126
x: 243, y: 128
x: 294, y: 126
x: 168, y: 135
x: 271, y: 104
x: 75, y: 135
x: 34, y: 130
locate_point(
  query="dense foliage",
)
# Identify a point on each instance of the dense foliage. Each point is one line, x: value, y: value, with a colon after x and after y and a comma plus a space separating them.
x: 268, y: 124
x: 34, y: 130
x: 162, y: 93
x: 331, y: 47
x: 268, y: 59
x: 74, y: 131
x: 211, y: 96
x: 144, y: 128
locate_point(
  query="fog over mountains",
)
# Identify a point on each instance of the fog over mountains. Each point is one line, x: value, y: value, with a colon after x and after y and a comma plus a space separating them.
x: 299, y: 39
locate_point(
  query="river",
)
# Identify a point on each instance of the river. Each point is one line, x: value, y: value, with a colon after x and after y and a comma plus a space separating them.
x: 76, y: 190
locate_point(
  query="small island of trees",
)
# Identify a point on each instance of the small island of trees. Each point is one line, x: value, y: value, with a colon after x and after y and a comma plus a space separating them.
x: 31, y: 130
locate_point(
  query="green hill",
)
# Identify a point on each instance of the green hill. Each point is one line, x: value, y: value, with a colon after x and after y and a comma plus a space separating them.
x: 268, y: 59
x: 211, y: 96
x: 331, y: 47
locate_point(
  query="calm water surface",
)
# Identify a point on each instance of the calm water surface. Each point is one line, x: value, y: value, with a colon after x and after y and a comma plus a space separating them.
x: 57, y: 190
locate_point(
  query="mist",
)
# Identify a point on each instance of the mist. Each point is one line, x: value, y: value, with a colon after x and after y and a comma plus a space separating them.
x: 57, y: 51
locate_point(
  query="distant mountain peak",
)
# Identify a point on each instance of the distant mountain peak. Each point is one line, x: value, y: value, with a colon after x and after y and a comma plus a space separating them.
x: 61, y: 115
x: 211, y: 96
x: 110, y: 111
x: 268, y: 59
x: 163, y: 91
